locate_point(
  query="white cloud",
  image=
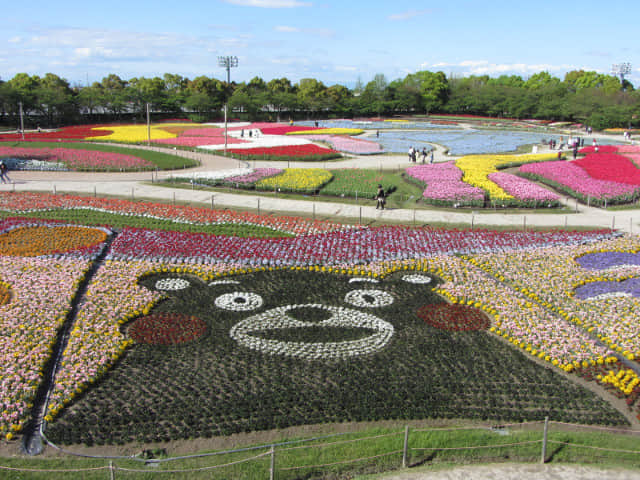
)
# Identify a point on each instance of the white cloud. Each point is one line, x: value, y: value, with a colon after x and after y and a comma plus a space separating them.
x: 484, y: 67
x: 408, y: 14
x: 269, y: 3
x: 284, y: 28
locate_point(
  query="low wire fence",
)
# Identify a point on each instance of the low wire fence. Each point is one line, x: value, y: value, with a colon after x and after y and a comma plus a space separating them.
x: 372, y: 451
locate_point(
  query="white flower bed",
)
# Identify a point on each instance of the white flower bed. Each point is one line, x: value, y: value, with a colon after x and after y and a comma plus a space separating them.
x: 246, y: 333
x: 172, y: 284
x: 239, y: 301
x: 369, y: 298
x: 261, y: 142
x: 417, y: 279
x: 216, y: 175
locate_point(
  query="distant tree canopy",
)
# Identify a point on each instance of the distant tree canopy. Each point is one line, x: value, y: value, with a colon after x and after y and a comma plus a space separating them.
x: 582, y: 96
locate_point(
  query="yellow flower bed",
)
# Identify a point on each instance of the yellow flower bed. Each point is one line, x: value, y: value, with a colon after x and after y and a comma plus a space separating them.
x: 624, y: 380
x: 297, y: 180
x: 476, y: 168
x: 329, y: 131
x: 397, y: 120
x: 137, y: 133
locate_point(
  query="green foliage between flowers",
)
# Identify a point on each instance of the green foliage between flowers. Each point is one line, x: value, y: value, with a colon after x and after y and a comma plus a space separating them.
x: 352, y: 182
x: 93, y: 217
x: 215, y: 386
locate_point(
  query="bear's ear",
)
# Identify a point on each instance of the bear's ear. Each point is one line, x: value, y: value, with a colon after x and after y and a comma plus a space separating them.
x: 171, y: 283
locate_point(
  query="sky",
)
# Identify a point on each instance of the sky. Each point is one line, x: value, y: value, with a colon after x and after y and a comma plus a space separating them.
x: 336, y: 42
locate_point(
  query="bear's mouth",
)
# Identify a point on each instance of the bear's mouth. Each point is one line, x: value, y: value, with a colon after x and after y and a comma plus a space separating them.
x: 313, y: 332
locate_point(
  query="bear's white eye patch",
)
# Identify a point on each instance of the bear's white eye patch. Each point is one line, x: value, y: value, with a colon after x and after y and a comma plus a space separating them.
x: 172, y: 284
x: 224, y: 282
x: 415, y: 278
x: 239, y: 301
x: 369, y: 298
x: 363, y: 279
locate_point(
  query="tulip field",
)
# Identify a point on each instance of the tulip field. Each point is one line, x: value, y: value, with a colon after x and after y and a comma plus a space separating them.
x: 182, y: 333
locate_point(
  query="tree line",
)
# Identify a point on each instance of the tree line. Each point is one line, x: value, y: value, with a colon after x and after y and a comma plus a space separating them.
x: 582, y: 96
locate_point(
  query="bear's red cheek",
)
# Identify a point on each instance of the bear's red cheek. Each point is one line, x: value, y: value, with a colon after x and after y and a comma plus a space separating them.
x: 457, y: 318
x: 167, y: 328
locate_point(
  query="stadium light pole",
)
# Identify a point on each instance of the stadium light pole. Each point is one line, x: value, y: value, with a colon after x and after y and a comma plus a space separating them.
x: 620, y: 70
x: 228, y: 62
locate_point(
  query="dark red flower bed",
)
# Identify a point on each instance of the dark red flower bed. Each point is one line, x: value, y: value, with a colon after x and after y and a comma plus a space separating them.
x: 79, y: 132
x: 457, y: 318
x: 610, y: 166
x: 306, y: 150
x: 167, y: 329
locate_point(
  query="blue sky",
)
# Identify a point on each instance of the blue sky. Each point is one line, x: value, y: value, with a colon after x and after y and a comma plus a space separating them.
x: 337, y: 42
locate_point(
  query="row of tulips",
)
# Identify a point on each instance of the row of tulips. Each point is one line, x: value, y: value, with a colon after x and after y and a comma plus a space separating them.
x: 477, y: 168
x: 25, y: 202
x: 76, y: 159
x: 307, y: 180
x: 334, y: 248
x: 444, y: 185
x: 524, y: 190
x: 575, y: 181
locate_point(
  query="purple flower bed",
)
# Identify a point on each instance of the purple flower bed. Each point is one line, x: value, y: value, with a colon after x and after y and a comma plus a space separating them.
x: 257, y: 174
x: 597, y: 289
x: 605, y: 260
x: 575, y: 180
x: 521, y: 188
x: 444, y: 185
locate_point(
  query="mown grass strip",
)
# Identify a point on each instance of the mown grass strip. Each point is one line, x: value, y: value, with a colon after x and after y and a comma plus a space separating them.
x: 93, y: 217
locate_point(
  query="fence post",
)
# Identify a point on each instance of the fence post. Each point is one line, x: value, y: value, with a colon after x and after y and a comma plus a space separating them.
x: 132, y: 193
x: 174, y: 198
x: 360, y: 221
x: 472, y: 218
x: 111, y: 475
x: 258, y: 206
x: 272, y: 466
x: 405, y: 448
x: 356, y: 197
x: 544, y: 440
x: 314, y: 210
x: 212, y: 206
x: 94, y: 191
x: 524, y: 223
x: 565, y: 221
x: 54, y: 188
x: 613, y: 223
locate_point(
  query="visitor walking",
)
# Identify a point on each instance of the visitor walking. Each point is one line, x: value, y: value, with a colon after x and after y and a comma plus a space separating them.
x: 431, y: 157
x: 380, y: 198
x: 3, y: 172
x: 424, y: 154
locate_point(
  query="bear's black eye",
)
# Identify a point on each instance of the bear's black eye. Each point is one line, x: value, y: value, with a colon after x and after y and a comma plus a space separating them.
x: 239, y: 301
x: 369, y: 298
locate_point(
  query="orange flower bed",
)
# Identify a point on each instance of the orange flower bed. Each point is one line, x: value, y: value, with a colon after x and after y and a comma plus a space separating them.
x: 45, y: 240
x: 5, y: 293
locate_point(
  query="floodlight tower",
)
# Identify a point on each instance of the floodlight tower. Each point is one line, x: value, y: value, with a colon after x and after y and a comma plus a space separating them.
x: 620, y: 70
x: 228, y: 63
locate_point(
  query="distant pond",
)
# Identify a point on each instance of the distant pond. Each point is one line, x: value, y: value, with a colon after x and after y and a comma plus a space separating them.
x: 397, y: 137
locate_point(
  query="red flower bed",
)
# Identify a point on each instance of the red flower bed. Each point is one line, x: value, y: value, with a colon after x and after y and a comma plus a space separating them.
x: 610, y: 166
x: 167, y: 329
x: 601, y: 149
x: 306, y: 150
x: 79, y: 132
x: 284, y: 129
x: 458, y: 318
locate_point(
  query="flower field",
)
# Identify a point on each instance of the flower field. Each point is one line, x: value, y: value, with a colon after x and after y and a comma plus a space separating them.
x: 189, y: 334
x: 75, y: 159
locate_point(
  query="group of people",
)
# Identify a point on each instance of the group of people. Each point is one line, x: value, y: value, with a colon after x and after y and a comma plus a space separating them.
x: 413, y: 155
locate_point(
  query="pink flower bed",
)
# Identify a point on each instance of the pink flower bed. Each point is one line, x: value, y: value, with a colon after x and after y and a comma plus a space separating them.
x: 78, y: 159
x: 444, y: 183
x: 347, y: 144
x: 521, y: 188
x: 611, y: 167
x: 576, y: 179
x: 257, y: 174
